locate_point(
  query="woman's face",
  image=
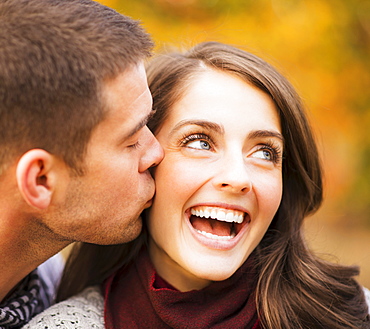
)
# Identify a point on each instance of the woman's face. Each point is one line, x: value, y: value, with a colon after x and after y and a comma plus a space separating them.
x: 220, y: 183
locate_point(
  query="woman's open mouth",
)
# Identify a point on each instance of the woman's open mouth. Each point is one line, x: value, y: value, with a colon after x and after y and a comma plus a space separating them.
x: 218, y: 223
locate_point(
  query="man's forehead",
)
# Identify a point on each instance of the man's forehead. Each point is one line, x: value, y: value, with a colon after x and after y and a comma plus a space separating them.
x: 127, y: 99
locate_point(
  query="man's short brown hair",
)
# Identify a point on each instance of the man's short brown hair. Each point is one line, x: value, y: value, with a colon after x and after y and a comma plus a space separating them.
x: 54, y: 57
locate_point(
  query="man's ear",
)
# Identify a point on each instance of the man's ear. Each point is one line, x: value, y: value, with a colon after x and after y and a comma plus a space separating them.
x: 35, y: 177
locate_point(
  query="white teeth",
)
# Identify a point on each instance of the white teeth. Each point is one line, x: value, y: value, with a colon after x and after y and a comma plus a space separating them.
x: 216, y: 237
x: 220, y: 214
x: 230, y: 217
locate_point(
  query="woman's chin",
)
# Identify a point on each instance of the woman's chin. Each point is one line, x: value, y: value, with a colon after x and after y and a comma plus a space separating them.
x: 215, y: 272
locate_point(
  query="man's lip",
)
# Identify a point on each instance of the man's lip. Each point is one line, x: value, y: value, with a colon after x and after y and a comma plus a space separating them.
x: 149, y: 202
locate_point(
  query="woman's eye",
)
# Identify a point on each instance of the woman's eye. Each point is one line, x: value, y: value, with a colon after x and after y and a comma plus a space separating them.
x: 197, y: 141
x: 264, y: 154
x: 199, y: 144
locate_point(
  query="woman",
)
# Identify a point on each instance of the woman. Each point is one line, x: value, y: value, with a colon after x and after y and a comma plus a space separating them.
x: 225, y: 246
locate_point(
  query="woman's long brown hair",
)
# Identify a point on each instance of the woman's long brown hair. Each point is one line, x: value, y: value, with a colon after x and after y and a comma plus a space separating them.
x: 296, y: 289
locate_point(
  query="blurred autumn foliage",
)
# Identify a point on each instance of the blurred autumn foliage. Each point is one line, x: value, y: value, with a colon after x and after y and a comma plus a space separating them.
x: 322, y: 46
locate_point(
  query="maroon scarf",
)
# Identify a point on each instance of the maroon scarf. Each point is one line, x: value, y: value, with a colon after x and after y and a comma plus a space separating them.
x: 136, y: 297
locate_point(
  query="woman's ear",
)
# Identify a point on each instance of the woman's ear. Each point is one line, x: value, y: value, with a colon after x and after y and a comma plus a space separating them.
x: 35, y: 177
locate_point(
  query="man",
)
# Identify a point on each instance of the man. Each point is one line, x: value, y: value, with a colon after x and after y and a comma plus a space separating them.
x: 74, y: 146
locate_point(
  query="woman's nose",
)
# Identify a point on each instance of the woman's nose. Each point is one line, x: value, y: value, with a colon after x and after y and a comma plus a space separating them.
x: 233, y: 176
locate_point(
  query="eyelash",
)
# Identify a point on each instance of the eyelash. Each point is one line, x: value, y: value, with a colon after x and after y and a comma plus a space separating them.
x: 193, y: 137
x: 135, y: 146
x: 273, y: 149
x: 270, y: 146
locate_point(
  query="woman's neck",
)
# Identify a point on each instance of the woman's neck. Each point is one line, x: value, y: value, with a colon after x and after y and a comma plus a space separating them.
x: 172, y: 272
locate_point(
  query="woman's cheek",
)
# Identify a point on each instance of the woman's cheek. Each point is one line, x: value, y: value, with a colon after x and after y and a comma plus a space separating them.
x: 269, y: 191
x: 183, y: 173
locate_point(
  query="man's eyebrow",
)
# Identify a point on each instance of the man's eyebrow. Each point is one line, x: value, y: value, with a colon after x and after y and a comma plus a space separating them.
x: 205, y: 124
x: 140, y: 125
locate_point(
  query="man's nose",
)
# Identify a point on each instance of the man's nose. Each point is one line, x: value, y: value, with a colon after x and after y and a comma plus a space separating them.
x: 153, y: 153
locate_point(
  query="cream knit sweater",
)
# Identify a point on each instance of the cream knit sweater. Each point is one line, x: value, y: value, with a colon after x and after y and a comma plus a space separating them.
x: 83, y: 311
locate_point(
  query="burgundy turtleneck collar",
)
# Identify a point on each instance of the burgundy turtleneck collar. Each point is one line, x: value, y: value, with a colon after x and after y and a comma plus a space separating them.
x: 136, y: 297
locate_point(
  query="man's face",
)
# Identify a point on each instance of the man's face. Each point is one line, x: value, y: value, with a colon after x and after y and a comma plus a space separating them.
x: 104, y: 204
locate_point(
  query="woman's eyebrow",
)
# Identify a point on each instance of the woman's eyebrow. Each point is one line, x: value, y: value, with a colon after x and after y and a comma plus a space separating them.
x: 220, y: 129
x: 266, y: 133
x: 201, y: 123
